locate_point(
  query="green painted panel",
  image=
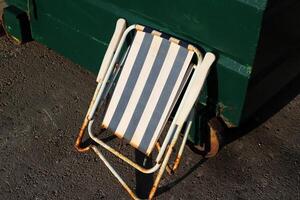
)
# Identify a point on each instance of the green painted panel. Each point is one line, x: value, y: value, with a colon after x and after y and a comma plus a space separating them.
x: 22, y: 4
x: 79, y: 46
x: 229, y: 26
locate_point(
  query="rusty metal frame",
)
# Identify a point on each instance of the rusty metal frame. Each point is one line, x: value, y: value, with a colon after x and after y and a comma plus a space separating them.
x: 162, y: 165
x: 164, y: 151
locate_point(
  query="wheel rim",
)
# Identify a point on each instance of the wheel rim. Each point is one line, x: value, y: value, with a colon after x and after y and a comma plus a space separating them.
x: 214, y: 143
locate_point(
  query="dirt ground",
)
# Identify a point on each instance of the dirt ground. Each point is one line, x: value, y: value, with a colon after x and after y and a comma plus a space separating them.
x: 43, y: 99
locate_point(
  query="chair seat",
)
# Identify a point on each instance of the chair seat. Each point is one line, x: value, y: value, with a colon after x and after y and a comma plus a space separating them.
x: 149, y: 85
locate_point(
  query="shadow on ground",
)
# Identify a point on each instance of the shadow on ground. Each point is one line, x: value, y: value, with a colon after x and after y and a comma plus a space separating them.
x: 280, y: 100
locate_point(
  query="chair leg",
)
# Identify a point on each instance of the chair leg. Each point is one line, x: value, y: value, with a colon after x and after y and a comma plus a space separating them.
x: 113, y: 171
x: 185, y: 136
x: 168, y: 167
x: 123, y: 183
x: 162, y: 168
x: 161, y: 172
x: 169, y: 152
x: 171, y: 169
x: 80, y: 137
x: 85, y: 123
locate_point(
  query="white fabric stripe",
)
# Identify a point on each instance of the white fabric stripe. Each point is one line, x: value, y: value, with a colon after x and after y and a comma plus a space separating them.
x: 136, y: 44
x: 139, y: 86
x: 157, y: 89
x: 174, y: 96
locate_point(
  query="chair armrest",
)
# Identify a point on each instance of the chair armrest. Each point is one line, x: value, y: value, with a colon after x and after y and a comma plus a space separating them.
x: 119, y: 30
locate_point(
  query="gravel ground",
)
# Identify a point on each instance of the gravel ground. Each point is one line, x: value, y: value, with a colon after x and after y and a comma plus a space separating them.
x: 43, y: 99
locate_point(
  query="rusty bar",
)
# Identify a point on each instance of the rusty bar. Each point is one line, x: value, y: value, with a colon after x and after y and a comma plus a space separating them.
x: 85, y: 123
x: 160, y: 173
x: 119, y: 155
x: 80, y: 136
x: 165, y: 161
x: 113, y: 171
x: 168, y: 168
x: 176, y: 163
x: 185, y: 136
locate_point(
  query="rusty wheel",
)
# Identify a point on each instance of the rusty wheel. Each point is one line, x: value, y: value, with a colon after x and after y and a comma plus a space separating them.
x: 216, y: 131
x: 214, y: 139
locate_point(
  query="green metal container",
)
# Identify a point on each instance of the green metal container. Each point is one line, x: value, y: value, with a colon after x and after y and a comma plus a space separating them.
x: 232, y: 29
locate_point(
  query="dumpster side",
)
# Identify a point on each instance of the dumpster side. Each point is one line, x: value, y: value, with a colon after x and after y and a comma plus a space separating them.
x: 278, y: 46
x: 81, y: 30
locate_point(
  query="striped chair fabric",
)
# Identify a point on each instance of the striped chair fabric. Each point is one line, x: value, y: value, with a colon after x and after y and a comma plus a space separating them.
x: 149, y: 85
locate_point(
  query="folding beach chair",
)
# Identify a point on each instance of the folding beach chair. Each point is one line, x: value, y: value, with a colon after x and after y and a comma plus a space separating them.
x: 155, y: 73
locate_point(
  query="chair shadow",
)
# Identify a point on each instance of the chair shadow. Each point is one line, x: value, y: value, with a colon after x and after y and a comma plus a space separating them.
x: 167, y: 187
x: 144, y: 182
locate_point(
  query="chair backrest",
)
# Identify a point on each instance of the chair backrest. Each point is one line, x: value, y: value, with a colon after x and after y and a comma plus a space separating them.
x: 149, y: 85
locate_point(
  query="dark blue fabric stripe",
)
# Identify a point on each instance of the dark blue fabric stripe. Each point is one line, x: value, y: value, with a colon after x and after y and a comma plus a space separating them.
x: 132, y: 78
x: 144, y: 149
x: 150, y: 82
x: 183, y: 44
x: 165, y: 36
x: 147, y: 29
x: 163, y: 99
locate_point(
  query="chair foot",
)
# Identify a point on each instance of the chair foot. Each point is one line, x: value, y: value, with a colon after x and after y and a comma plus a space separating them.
x: 112, y: 170
x: 78, y: 142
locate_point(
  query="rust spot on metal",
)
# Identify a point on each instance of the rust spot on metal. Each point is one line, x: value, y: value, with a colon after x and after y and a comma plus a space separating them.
x: 80, y: 136
x: 176, y: 163
x: 220, y: 110
x: 157, y: 145
x: 130, y: 192
x: 168, y: 167
x: 153, y: 191
x: 215, y: 127
x: 214, y: 144
x: 171, y: 170
x: 84, y: 125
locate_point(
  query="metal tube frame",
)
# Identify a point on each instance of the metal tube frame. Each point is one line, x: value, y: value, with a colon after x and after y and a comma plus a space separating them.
x: 164, y: 152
